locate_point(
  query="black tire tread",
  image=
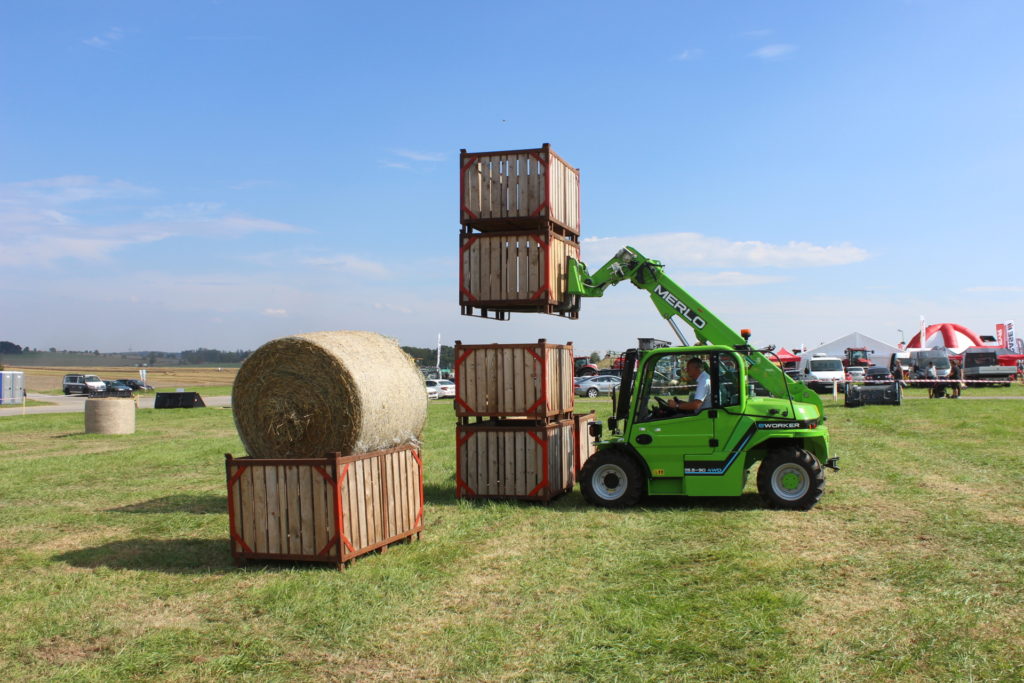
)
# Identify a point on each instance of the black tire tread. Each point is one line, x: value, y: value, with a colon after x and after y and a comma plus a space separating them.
x: 634, y: 473
x: 801, y: 457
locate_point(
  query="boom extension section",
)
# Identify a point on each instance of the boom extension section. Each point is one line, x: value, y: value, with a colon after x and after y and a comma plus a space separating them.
x: 672, y: 301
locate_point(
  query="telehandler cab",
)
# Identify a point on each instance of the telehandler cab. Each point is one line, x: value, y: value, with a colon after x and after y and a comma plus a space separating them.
x: 754, y: 413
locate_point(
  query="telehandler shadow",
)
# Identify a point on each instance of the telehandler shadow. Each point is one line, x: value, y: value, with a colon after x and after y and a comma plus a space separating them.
x: 203, y: 504
x: 172, y: 556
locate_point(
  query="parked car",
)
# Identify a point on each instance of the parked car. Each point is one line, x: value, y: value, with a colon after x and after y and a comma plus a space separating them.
x: 878, y: 374
x: 115, y: 387
x: 83, y: 384
x: 136, y: 384
x: 595, y: 385
x: 855, y: 373
x: 445, y: 387
x: 432, y: 390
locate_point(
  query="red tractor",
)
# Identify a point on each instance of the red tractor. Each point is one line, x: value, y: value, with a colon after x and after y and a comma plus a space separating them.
x: 858, y: 357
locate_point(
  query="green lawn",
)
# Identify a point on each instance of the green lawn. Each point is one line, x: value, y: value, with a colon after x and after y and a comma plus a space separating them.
x: 115, y: 566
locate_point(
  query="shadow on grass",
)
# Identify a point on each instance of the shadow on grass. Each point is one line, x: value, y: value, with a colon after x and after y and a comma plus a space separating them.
x: 208, y: 504
x: 175, y: 556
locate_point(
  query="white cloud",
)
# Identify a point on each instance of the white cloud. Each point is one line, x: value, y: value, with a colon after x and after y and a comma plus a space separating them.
x: 102, y: 41
x: 394, y: 308
x: 689, y: 249
x: 275, y: 312
x: 40, y: 221
x: 69, y: 189
x: 689, y: 54
x: 347, y: 263
x: 419, y: 156
x: 776, y: 51
x: 996, y: 288
x: 731, y: 278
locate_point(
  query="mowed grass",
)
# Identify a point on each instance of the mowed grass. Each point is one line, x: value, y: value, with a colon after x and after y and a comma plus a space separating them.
x: 115, y: 565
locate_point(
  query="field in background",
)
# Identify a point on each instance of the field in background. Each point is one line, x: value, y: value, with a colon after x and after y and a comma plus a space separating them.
x: 48, y: 379
x: 114, y: 565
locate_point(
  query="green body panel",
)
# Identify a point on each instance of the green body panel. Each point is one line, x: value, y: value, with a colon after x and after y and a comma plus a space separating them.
x: 709, y: 453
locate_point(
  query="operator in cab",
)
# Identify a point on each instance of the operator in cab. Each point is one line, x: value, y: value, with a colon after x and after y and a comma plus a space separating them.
x: 701, y: 397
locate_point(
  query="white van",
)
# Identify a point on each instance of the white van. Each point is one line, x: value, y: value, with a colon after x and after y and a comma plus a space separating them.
x: 820, y: 372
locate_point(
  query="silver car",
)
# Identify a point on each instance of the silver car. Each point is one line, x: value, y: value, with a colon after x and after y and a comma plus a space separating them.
x: 595, y: 385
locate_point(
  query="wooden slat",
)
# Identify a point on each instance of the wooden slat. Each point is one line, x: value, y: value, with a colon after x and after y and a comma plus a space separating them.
x: 236, y: 501
x: 259, y: 507
x: 274, y: 510
x: 306, y: 510
x: 391, y: 485
x: 415, y: 495
x: 294, y: 517
x: 376, y: 501
x: 320, y: 492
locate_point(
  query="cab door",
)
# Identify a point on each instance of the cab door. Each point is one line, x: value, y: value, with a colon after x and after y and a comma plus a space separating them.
x: 665, y: 441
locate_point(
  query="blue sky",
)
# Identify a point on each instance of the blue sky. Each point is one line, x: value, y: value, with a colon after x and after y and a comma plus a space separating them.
x: 218, y: 174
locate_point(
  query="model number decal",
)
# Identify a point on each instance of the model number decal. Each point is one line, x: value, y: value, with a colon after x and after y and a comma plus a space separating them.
x: 779, y: 425
x: 680, y: 307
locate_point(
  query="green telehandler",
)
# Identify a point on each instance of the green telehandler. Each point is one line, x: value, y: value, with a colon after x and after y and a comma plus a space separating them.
x: 661, y: 444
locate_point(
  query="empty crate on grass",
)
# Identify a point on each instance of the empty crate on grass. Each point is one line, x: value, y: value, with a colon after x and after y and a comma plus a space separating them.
x: 328, y: 509
x: 584, y: 442
x: 518, y: 188
x: 514, y: 459
x: 513, y: 380
x: 515, y: 272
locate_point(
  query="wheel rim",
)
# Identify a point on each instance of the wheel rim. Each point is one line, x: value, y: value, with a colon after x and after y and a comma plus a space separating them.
x: 592, y: 393
x: 790, y: 482
x: 609, y: 482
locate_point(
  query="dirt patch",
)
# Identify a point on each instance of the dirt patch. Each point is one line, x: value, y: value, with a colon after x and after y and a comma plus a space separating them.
x: 60, y: 650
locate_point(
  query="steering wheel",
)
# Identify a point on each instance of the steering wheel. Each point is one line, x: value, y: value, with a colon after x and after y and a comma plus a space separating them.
x: 662, y: 403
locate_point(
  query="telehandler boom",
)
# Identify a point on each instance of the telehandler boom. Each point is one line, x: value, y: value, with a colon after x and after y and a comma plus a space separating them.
x: 753, y: 413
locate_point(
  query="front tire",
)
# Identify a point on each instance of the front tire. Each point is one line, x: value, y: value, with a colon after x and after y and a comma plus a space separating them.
x: 791, y: 479
x: 612, y: 479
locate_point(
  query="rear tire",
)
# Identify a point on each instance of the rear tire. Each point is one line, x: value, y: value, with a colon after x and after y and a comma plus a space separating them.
x: 791, y: 479
x: 612, y: 479
x: 592, y: 392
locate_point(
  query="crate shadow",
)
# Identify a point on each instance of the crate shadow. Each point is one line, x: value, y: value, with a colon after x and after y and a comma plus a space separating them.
x: 174, y: 556
x: 208, y: 504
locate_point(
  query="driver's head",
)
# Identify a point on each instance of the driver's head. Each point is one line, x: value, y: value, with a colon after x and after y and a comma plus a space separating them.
x: 694, y: 368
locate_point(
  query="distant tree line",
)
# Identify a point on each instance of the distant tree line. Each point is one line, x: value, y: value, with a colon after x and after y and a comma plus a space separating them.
x: 201, y: 355
x: 428, y: 357
x: 9, y: 347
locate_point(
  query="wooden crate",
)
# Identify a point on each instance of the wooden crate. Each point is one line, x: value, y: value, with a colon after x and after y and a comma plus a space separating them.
x: 514, y: 380
x: 514, y: 459
x: 584, y: 442
x: 517, y: 188
x: 515, y: 272
x: 328, y: 509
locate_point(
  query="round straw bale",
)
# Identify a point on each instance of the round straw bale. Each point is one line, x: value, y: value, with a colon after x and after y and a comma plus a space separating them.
x: 109, y: 416
x: 311, y: 394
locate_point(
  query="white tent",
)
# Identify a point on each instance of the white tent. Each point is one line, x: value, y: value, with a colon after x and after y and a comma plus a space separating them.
x: 879, y: 351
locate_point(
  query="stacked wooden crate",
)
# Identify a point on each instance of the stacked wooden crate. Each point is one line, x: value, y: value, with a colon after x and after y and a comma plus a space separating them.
x: 516, y: 435
x: 520, y: 216
x: 330, y: 509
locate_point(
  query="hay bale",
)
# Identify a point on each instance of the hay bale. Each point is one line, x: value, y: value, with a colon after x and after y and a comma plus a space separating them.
x: 109, y: 416
x: 311, y: 394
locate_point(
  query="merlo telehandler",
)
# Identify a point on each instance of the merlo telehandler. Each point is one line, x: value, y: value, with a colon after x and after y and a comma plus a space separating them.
x: 755, y: 413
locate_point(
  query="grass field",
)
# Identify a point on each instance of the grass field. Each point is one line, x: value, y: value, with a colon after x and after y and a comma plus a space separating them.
x: 115, y: 566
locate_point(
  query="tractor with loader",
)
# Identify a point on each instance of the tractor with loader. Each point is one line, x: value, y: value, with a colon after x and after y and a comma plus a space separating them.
x: 660, y: 445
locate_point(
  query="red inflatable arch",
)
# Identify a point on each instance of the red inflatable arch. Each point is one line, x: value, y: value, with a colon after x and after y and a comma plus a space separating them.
x: 950, y: 335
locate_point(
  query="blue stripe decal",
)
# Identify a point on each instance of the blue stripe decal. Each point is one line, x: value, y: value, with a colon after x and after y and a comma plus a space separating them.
x: 724, y: 468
